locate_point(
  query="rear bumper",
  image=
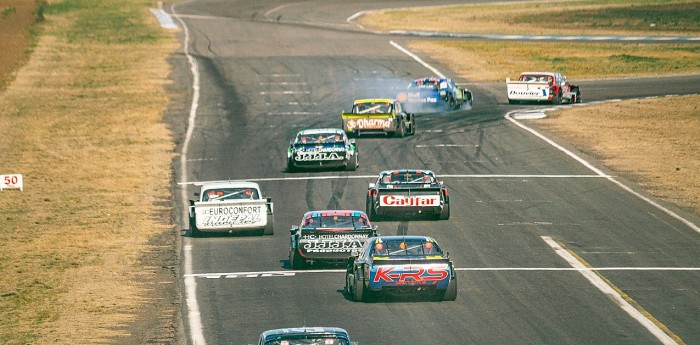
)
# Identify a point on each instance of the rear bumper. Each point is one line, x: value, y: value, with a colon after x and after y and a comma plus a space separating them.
x: 396, y: 210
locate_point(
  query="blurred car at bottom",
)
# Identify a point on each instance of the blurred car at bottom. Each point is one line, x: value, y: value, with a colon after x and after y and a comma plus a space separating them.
x: 306, y: 336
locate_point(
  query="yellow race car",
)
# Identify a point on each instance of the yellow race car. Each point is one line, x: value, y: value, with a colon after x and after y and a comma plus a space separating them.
x: 378, y: 116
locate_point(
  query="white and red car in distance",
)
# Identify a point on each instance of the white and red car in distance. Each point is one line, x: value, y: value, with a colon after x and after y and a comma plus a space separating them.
x: 407, y: 192
x: 228, y: 207
x: 551, y: 87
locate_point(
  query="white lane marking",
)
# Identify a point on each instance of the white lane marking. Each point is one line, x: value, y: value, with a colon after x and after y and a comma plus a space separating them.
x: 599, y: 283
x: 282, y: 83
x: 292, y: 273
x: 600, y: 173
x: 446, y: 145
x: 164, y: 18
x: 285, y: 113
x: 431, y: 68
x: 285, y: 92
x: 193, y: 315
x: 304, y: 178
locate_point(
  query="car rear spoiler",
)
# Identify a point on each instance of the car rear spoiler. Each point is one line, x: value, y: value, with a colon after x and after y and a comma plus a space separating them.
x: 379, y: 261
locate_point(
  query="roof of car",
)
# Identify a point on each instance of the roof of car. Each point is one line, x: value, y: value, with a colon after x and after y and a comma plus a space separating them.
x: 305, y: 330
x: 311, y: 131
x: 375, y: 100
x: 403, y: 238
x: 539, y: 73
x: 334, y: 213
x: 408, y: 171
x: 229, y: 184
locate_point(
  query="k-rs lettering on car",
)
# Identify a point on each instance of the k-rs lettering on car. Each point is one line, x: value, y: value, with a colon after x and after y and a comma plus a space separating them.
x: 322, y: 148
x: 328, y: 236
x: 306, y: 336
x: 401, y: 265
x: 407, y: 193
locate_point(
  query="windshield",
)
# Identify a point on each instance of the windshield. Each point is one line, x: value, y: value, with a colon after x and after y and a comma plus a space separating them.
x: 372, y: 108
x: 219, y: 194
x: 416, y: 247
x: 415, y: 177
x: 319, y: 138
x: 308, y: 340
x: 425, y: 84
x: 335, y: 221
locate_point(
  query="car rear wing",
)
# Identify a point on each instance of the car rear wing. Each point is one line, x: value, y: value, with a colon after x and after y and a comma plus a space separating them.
x: 428, y: 260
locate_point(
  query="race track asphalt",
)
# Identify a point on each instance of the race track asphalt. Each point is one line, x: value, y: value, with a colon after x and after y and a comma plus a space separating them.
x: 262, y: 80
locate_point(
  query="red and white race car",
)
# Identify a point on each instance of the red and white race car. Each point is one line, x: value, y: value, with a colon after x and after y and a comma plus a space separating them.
x: 549, y: 87
x: 409, y: 193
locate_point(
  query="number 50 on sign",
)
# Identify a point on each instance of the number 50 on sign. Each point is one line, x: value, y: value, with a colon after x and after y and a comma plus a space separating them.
x: 12, y: 181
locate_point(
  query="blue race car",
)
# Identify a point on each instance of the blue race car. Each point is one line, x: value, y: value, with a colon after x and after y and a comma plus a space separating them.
x: 427, y: 94
x: 305, y: 335
x: 400, y: 265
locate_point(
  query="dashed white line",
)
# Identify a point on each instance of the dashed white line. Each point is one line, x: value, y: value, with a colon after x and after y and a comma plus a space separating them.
x: 315, y: 177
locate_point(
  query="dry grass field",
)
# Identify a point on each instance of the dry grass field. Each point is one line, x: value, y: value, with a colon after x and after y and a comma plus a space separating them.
x: 88, y: 246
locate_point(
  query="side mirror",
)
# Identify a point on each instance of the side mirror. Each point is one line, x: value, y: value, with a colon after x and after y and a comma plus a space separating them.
x: 352, y: 141
x: 294, y: 230
x: 372, y: 185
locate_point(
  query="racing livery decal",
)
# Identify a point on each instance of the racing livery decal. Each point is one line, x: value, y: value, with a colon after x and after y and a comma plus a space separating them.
x: 398, y: 200
x: 408, y: 275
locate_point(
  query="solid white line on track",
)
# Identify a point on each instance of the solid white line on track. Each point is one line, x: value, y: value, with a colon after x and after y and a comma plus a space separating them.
x: 415, y: 57
x: 608, y: 290
x: 290, y: 273
x: 193, y: 316
x: 590, y: 166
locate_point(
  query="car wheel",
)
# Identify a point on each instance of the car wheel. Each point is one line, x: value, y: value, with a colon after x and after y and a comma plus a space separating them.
x: 451, y: 291
x: 557, y: 99
x: 290, y: 166
x: 295, y: 260
x: 578, y: 97
x: 402, y: 129
x: 369, y: 209
x: 445, y: 214
x: 269, y: 228
x: 194, y: 231
x: 352, y: 163
x: 359, y: 290
x: 348, y: 286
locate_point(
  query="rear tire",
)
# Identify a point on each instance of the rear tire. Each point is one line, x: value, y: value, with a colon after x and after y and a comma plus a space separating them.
x: 557, y: 99
x: 359, y: 293
x: 451, y: 291
x: 269, y: 228
x: 445, y: 214
x: 369, y: 209
x: 295, y: 260
x: 352, y: 163
x: 194, y: 231
x: 290, y: 166
x: 402, y: 129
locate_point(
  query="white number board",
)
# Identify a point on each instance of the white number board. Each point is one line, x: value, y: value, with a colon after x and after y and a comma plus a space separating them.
x: 12, y: 181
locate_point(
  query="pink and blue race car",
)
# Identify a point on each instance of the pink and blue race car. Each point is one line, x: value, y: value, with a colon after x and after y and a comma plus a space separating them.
x: 401, y: 265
